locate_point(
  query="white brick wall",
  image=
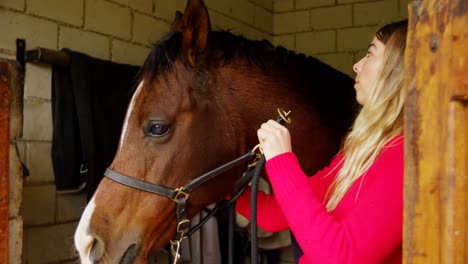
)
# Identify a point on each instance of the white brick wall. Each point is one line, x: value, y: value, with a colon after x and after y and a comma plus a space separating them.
x: 267, y: 4
x: 353, y: 23
x: 283, y: 5
x: 331, y: 17
x: 373, y: 13
x: 146, y: 6
x: 70, y: 11
x: 56, y: 243
x: 15, y: 183
x: 40, y: 165
x: 166, y: 9
x: 287, y: 41
x: 37, y: 120
x: 316, y: 42
x: 301, y: 4
x: 38, y: 207
x: 263, y: 19
x: 355, y: 39
x: 108, y: 18
x: 14, y: 4
x: 296, y: 21
x: 244, y: 11
x: 38, y: 32
x: 124, y: 52
x: 147, y: 29
x: 37, y: 81
x: 93, y: 44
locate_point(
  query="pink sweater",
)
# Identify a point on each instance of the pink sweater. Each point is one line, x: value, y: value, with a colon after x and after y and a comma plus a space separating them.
x: 365, y: 227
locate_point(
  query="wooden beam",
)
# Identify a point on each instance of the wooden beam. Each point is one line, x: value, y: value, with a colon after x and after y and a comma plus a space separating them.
x: 47, y: 56
x: 436, y: 129
x: 4, y: 157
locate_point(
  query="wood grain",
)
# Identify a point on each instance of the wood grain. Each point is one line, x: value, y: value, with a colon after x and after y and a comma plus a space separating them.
x: 436, y: 129
x: 4, y: 157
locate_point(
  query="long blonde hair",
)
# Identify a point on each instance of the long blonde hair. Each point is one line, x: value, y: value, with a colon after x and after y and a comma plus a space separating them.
x: 380, y: 119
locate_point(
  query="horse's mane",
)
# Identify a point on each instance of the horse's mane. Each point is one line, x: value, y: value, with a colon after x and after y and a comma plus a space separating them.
x: 306, y: 73
x: 260, y: 53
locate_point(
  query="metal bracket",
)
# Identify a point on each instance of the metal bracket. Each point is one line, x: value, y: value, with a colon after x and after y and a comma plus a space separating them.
x: 20, y: 51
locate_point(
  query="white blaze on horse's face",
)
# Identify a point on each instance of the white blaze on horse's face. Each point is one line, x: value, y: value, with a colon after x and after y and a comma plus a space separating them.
x: 83, y: 240
x: 123, y: 135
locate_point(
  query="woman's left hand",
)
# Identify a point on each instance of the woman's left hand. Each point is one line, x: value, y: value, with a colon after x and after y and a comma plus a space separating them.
x: 274, y: 139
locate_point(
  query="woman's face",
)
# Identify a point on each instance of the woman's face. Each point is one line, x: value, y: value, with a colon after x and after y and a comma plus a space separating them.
x: 367, y: 70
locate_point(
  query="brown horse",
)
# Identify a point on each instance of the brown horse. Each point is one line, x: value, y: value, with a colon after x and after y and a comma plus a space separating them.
x: 201, y: 97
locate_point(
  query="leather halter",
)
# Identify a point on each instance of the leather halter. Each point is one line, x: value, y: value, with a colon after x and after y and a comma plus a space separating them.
x: 180, y: 195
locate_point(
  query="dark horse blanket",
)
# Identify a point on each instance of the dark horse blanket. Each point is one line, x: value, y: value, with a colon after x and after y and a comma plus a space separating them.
x: 89, y: 101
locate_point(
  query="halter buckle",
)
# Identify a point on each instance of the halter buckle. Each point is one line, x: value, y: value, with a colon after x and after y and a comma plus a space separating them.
x: 180, y: 192
x: 257, y: 152
x: 182, y: 228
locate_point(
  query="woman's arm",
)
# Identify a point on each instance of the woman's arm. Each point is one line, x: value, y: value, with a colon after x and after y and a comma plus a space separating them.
x: 270, y: 216
x: 368, y: 232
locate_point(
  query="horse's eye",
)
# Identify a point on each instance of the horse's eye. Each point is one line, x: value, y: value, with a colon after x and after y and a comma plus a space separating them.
x: 158, y: 130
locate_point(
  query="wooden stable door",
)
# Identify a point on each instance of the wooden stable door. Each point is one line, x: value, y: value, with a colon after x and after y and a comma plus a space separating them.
x: 436, y: 129
x: 4, y: 156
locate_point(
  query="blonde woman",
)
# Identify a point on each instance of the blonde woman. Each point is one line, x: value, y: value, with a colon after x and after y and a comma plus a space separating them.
x: 351, y: 211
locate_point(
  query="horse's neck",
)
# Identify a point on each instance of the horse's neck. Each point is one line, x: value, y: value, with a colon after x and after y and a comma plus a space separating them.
x: 252, y: 98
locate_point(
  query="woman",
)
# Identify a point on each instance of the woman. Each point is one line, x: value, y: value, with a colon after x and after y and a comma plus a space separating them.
x: 351, y: 211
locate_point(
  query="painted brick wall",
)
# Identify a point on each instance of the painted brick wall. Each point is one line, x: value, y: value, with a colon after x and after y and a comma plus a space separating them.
x: 335, y: 31
x: 116, y: 30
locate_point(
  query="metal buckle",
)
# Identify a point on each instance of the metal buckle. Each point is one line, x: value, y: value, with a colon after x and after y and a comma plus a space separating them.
x: 180, y: 191
x: 284, y: 115
x: 182, y: 229
x: 175, y: 248
x: 258, y: 153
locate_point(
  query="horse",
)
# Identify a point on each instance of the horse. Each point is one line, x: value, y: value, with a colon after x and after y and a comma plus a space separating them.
x: 201, y: 96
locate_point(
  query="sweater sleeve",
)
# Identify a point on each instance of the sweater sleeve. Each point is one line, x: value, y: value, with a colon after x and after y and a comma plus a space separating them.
x: 270, y: 216
x: 368, y: 233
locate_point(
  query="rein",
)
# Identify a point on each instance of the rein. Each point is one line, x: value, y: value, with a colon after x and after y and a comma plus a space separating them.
x: 180, y: 195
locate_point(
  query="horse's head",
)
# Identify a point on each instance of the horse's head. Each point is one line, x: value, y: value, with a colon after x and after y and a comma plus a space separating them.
x: 170, y: 118
x: 198, y: 105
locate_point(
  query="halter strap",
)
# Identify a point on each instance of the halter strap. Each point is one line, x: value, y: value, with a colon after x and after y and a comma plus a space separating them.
x: 179, y: 195
x: 140, y: 185
x: 172, y: 193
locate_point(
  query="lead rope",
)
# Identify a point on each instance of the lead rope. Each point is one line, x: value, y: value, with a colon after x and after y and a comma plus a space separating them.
x: 282, y: 118
x: 253, y: 209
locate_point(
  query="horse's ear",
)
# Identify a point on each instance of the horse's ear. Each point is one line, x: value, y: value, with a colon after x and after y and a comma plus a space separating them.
x: 176, y: 24
x: 195, y: 26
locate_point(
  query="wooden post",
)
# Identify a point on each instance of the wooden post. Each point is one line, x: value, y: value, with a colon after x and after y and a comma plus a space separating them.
x: 4, y: 157
x: 436, y: 129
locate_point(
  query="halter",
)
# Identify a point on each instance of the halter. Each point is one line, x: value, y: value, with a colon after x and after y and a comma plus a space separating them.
x: 180, y: 195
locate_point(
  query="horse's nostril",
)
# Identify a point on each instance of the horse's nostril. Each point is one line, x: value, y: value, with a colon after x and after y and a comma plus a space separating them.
x: 97, y: 250
x: 130, y: 254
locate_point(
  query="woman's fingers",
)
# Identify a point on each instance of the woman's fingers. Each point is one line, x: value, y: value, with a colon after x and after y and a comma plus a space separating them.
x: 274, y: 139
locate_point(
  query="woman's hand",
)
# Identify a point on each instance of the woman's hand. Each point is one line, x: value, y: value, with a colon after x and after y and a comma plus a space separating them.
x: 274, y: 139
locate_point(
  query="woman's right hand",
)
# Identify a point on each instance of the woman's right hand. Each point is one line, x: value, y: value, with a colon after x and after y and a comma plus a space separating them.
x: 274, y: 139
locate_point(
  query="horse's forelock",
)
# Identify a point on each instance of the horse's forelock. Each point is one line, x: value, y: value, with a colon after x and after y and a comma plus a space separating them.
x: 162, y: 57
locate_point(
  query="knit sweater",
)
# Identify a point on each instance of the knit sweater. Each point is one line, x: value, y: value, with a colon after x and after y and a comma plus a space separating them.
x: 365, y: 227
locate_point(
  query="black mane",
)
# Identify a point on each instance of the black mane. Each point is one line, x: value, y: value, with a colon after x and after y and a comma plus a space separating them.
x: 260, y: 53
x: 319, y: 83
